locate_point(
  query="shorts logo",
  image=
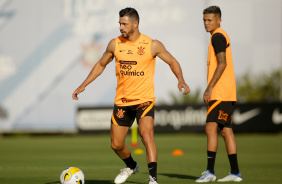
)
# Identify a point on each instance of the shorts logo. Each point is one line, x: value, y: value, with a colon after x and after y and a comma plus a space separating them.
x: 144, y: 105
x: 120, y: 113
x: 141, y: 50
x: 222, y: 115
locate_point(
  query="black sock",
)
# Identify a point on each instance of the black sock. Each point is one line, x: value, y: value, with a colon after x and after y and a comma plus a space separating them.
x: 211, y: 161
x: 130, y: 162
x: 152, y: 166
x: 233, y: 163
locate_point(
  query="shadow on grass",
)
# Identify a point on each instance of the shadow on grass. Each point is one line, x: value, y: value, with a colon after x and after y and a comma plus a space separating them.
x: 179, y: 176
x: 99, y: 181
x: 94, y: 182
x: 55, y: 182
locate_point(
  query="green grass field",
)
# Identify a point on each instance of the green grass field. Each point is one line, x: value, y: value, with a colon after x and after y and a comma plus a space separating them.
x: 41, y: 159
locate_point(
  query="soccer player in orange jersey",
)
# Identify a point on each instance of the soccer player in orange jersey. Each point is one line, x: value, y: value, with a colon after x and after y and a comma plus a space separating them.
x: 135, y: 55
x: 220, y: 95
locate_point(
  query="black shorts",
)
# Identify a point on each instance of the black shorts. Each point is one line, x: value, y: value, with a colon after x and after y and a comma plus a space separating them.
x: 125, y: 115
x: 220, y: 112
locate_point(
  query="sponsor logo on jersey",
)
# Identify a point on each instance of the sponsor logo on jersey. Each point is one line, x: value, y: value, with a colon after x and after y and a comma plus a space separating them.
x: 122, y: 62
x: 124, y: 100
x: 144, y: 42
x: 132, y: 73
x: 129, y: 52
x: 126, y: 66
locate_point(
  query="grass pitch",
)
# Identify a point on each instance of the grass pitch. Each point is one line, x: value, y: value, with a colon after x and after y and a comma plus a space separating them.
x: 41, y: 159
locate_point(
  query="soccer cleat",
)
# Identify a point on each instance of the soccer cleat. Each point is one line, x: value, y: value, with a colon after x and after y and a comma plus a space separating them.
x: 152, y: 180
x: 231, y: 177
x: 207, y: 176
x: 125, y: 173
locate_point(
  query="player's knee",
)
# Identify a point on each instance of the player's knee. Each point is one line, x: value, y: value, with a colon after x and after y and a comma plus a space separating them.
x: 227, y: 133
x: 116, y: 146
x: 223, y: 133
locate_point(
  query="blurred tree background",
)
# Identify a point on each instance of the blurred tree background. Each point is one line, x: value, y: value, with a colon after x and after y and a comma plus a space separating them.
x: 259, y: 88
x: 250, y: 88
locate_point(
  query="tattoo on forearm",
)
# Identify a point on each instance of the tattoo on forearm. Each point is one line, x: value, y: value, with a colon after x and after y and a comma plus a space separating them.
x: 221, y: 59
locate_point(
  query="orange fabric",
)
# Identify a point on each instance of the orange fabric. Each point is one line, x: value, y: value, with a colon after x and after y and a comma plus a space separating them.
x: 148, y: 109
x: 225, y: 88
x: 135, y: 69
x: 213, y: 106
x: 114, y: 120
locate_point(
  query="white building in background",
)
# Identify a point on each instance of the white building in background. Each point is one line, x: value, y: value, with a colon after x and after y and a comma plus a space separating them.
x: 47, y: 46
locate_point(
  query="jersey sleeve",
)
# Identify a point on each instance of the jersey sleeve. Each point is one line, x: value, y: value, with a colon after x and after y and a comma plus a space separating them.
x: 219, y: 43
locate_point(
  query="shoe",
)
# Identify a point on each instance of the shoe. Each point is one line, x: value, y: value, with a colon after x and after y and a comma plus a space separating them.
x: 232, y: 177
x: 207, y: 176
x: 152, y: 180
x: 125, y: 173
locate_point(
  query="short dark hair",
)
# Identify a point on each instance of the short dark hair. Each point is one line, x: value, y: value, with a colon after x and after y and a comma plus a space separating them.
x: 213, y: 9
x: 130, y: 12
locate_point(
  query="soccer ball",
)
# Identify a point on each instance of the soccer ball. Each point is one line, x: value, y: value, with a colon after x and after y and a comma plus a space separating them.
x: 72, y: 175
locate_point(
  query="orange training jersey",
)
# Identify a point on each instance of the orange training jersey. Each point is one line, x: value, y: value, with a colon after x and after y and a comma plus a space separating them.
x: 135, y: 68
x: 225, y: 88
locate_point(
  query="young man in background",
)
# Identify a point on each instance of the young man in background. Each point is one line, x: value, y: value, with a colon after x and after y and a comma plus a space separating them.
x: 220, y: 95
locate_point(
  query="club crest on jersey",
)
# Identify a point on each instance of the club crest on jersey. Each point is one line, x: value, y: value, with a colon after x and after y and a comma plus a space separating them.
x: 222, y: 115
x: 141, y: 50
x: 120, y: 113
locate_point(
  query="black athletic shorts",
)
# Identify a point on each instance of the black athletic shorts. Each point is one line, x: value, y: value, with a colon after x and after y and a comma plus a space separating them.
x: 125, y: 115
x: 220, y: 112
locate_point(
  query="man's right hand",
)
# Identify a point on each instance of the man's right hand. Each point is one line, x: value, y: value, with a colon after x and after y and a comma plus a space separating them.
x: 207, y: 95
x: 77, y: 91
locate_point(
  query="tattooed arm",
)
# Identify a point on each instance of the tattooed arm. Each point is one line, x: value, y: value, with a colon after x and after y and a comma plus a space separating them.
x: 221, y: 65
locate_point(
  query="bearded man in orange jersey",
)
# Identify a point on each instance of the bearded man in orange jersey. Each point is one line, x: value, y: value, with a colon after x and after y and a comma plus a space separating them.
x: 135, y: 55
x: 220, y: 95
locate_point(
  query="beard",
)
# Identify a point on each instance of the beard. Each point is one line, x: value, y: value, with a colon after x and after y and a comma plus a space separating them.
x: 127, y: 34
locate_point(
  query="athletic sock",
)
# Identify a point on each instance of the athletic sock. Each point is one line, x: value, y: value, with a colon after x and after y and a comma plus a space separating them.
x: 152, y: 166
x: 130, y: 162
x: 211, y: 161
x: 233, y: 163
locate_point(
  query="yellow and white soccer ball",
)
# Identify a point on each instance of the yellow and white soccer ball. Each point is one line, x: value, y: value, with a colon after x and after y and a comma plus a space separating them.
x: 72, y: 175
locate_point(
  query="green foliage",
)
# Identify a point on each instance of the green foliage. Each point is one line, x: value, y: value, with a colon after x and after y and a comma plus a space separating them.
x: 259, y: 88
x: 250, y: 88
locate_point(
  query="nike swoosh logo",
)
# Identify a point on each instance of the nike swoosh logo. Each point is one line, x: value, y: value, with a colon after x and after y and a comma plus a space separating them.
x: 276, y: 117
x: 240, y: 118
